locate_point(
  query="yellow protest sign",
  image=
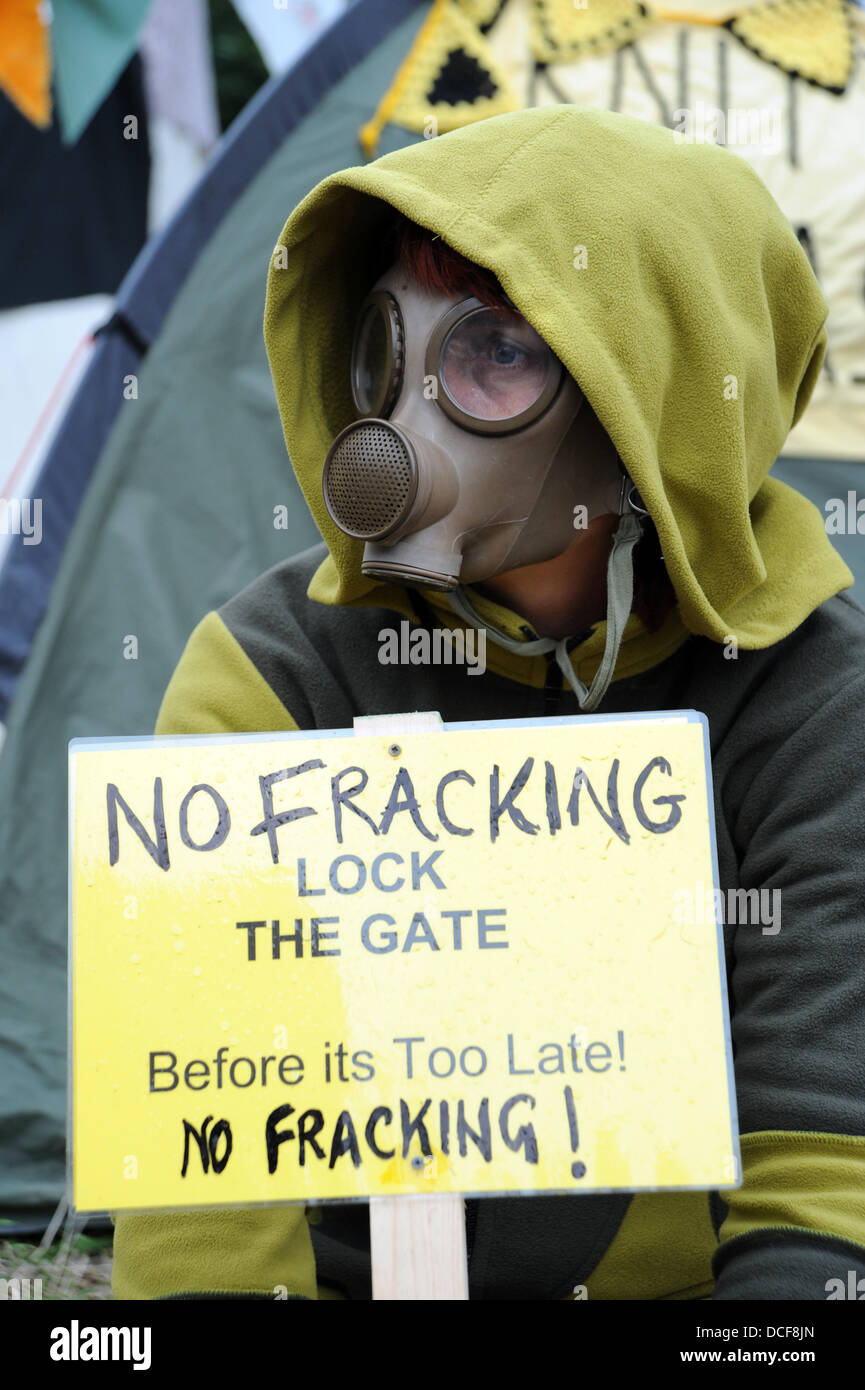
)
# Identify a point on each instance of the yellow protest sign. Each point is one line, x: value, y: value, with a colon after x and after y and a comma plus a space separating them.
x: 315, y: 966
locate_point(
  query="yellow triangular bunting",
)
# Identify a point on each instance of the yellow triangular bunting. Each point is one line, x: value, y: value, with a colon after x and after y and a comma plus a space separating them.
x: 562, y: 30
x: 448, y: 79
x: 811, y: 38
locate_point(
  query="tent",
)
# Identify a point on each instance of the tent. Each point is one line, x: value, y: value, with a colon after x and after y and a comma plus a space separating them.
x: 160, y: 497
x: 167, y: 488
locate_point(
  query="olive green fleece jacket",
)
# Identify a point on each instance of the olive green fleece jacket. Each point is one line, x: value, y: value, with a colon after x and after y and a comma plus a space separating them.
x: 669, y: 283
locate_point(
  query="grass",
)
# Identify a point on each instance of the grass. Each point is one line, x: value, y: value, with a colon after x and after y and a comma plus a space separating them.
x: 75, y: 1267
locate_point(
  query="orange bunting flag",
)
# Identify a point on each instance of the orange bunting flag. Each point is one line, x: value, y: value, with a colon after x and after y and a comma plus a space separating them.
x: 25, y: 58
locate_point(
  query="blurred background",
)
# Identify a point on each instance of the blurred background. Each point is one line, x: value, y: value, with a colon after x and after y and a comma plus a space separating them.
x: 150, y: 152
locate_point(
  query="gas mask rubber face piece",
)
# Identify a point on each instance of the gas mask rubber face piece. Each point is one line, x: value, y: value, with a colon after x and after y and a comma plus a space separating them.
x: 465, y: 460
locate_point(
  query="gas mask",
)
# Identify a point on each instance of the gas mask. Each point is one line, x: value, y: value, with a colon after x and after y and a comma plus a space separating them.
x: 464, y: 462
x: 468, y: 458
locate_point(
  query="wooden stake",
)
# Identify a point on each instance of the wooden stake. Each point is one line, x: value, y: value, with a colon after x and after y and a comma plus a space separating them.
x: 418, y: 1244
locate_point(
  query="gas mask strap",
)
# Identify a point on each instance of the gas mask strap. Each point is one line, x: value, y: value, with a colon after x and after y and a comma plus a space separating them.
x: 459, y: 602
x: 620, y: 595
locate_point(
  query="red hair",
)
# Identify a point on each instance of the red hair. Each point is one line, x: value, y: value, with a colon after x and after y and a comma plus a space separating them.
x: 439, y: 269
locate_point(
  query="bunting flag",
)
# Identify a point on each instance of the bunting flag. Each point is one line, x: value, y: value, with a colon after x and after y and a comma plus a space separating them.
x: 93, y: 40
x: 811, y: 39
x: 25, y: 59
x: 563, y: 31
x: 449, y: 78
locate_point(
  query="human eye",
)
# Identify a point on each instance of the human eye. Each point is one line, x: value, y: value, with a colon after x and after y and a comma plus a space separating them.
x: 505, y: 352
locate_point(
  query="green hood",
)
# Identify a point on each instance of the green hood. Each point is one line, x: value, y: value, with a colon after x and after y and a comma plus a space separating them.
x: 691, y: 320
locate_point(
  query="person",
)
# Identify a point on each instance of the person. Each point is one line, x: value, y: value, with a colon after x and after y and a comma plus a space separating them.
x: 533, y: 375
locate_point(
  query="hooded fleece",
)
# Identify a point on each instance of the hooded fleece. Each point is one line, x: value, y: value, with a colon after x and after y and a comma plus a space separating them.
x: 668, y: 281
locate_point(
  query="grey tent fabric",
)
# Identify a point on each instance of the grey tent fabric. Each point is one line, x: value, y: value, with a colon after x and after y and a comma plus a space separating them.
x: 179, y: 516
x: 825, y: 482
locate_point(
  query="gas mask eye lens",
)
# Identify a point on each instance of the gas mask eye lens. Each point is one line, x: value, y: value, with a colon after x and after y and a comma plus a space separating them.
x: 494, y: 367
x: 377, y: 356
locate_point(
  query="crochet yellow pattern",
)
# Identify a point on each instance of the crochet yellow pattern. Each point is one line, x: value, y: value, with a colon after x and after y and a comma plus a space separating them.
x: 451, y: 76
x: 811, y: 38
x: 562, y: 32
x: 448, y: 79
